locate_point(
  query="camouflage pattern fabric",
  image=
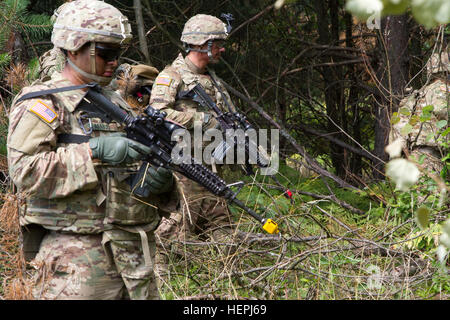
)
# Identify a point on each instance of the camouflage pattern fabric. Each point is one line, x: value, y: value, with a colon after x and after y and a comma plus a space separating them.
x: 82, y: 21
x: 50, y: 62
x: 200, y: 213
x: 201, y: 28
x: 66, y: 191
x: 81, y: 267
x: 183, y: 75
x: 419, y: 136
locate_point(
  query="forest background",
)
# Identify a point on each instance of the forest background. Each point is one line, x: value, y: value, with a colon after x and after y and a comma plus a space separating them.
x: 332, y: 85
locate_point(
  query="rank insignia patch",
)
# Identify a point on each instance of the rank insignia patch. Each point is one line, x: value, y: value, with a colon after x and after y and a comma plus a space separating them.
x: 164, y: 81
x: 43, y: 111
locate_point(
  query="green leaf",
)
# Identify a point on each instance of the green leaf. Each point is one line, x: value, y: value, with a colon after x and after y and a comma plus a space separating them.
x: 431, y: 13
x: 446, y: 132
x: 405, y: 111
x: 427, y: 109
x: 422, y: 158
x: 441, y: 124
x: 422, y: 217
x: 407, y: 128
x: 395, y: 118
x: 414, y: 120
x: 425, y: 117
x: 394, y: 6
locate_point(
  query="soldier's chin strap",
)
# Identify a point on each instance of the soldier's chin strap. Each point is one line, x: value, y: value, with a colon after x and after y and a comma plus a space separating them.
x: 103, y: 81
x: 208, y: 50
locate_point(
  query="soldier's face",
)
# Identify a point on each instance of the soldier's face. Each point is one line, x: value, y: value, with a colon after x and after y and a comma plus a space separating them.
x: 217, y: 49
x: 106, y: 56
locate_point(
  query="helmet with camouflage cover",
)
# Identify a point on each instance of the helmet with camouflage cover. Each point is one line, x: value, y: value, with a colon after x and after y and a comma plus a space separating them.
x: 439, y: 63
x: 82, y: 21
x: 201, y: 28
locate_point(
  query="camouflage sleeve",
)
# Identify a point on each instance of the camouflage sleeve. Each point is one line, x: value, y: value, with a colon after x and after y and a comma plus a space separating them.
x: 164, y: 94
x: 36, y: 165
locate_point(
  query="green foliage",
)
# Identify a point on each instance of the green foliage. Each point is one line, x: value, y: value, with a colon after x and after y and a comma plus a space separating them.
x: 17, y: 18
x: 429, y: 13
x: 5, y: 59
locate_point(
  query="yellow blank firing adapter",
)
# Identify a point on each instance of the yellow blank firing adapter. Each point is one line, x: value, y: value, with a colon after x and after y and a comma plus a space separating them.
x: 270, y: 226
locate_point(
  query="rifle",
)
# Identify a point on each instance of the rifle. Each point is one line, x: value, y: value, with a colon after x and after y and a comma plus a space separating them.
x: 154, y: 131
x: 231, y: 120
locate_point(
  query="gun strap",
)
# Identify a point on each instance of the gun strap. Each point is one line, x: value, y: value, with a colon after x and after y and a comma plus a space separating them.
x: 35, y: 94
x: 221, y: 92
x: 72, y: 138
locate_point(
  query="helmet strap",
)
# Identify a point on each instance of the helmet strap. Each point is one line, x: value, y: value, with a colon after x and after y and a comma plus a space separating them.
x: 188, y: 48
x: 103, y: 81
x: 92, y: 57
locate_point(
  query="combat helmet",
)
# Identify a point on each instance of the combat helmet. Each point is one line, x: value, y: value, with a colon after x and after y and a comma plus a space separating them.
x: 203, y: 28
x: 439, y: 63
x: 89, y: 21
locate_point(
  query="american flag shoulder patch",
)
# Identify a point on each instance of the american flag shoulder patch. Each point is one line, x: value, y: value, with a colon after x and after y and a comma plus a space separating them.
x: 43, y: 111
x: 164, y: 81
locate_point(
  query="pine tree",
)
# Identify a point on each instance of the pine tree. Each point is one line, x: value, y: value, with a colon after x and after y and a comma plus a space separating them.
x: 19, y: 26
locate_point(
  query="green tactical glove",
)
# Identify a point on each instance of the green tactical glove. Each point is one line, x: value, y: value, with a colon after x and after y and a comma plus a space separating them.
x: 159, y: 180
x: 117, y: 149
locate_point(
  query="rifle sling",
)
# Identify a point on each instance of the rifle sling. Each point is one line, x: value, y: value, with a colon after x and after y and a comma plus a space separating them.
x: 72, y: 138
x: 36, y: 94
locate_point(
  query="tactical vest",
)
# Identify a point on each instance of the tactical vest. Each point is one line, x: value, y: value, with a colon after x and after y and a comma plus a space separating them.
x: 111, y: 202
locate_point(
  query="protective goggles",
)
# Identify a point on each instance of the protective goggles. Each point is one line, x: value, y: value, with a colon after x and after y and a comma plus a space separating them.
x: 107, y: 53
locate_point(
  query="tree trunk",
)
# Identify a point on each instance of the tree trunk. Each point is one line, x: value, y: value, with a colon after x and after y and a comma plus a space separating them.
x: 352, y: 100
x: 332, y: 90
x: 141, y: 30
x: 392, y: 74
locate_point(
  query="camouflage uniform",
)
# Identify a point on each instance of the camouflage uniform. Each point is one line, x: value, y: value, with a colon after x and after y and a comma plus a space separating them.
x: 415, y: 122
x: 51, y: 61
x: 100, y: 240
x: 201, y: 211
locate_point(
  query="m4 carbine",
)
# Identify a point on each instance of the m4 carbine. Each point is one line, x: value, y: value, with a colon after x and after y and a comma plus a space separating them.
x: 232, y: 120
x: 154, y: 131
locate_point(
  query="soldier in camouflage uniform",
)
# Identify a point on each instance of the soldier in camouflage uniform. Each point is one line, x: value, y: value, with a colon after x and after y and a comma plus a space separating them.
x: 72, y: 171
x: 415, y: 122
x: 201, y: 212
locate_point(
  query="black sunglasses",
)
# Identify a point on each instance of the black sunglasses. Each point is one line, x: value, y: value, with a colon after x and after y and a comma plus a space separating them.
x: 107, y: 53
